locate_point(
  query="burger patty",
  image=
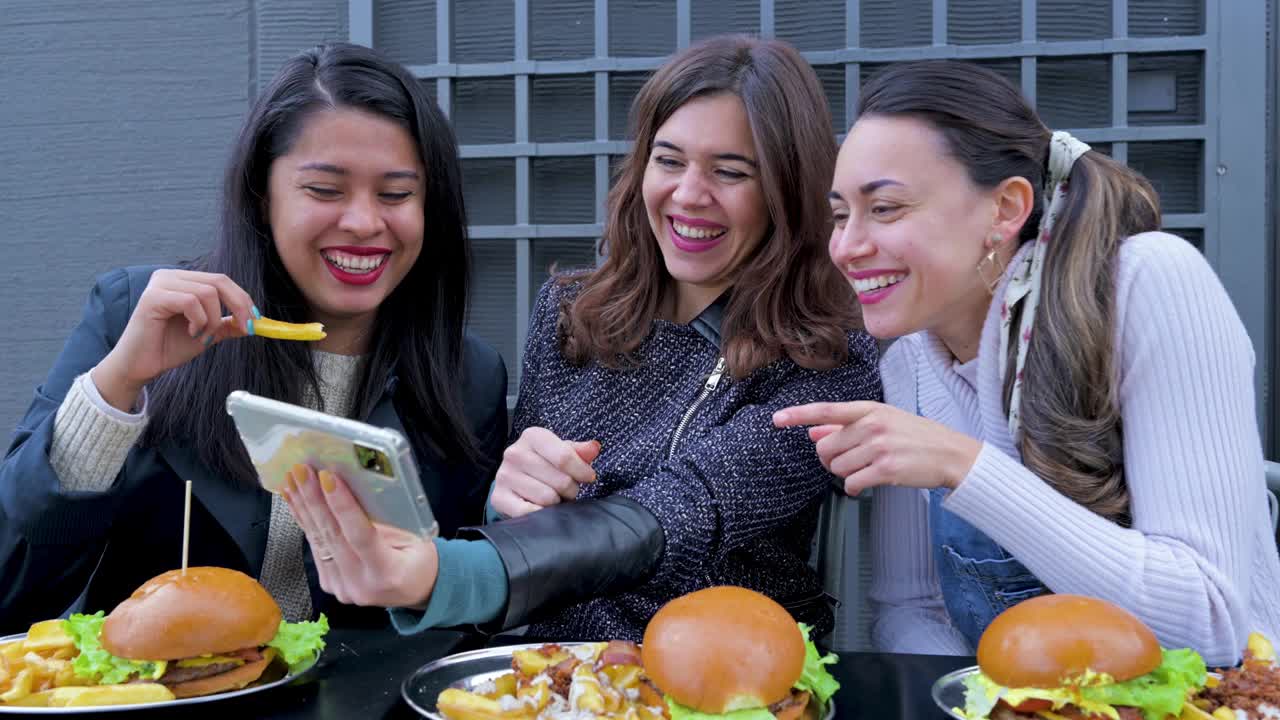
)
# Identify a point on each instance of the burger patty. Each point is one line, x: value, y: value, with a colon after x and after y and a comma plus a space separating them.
x: 792, y: 707
x: 174, y: 674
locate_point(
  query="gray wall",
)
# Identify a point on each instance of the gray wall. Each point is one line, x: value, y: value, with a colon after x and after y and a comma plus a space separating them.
x: 115, y: 122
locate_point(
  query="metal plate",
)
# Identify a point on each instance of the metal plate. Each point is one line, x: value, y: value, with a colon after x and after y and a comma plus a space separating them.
x: 948, y: 691
x: 468, y: 671
x: 271, y: 673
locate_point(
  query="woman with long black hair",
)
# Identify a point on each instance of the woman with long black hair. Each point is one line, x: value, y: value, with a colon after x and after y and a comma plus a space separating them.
x: 340, y: 170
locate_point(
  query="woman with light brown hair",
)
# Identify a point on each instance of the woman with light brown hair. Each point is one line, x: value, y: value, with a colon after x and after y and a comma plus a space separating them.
x: 644, y: 464
x: 1070, y: 405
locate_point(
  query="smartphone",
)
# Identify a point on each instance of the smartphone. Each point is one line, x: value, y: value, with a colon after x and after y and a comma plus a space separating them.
x: 376, y: 463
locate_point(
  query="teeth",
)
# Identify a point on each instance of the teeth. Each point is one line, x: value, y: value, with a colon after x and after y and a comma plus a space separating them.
x: 356, y: 263
x: 697, y: 233
x: 875, y: 283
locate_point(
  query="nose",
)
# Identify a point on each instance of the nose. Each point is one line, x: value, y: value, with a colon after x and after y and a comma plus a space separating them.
x: 362, y: 217
x: 850, y: 243
x: 692, y: 189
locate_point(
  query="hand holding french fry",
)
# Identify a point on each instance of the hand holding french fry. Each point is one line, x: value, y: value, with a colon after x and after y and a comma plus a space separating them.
x: 178, y: 316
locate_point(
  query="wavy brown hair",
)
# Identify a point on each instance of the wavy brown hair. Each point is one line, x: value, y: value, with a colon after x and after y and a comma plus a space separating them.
x: 1071, y: 431
x: 787, y: 299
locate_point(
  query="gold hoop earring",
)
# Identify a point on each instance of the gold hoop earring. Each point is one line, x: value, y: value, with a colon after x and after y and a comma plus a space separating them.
x: 991, y: 267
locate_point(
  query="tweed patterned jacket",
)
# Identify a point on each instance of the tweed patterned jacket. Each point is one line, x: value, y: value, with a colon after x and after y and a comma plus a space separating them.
x: 737, y: 498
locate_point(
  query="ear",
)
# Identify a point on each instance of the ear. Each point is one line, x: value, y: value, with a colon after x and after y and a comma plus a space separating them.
x: 1013, y: 199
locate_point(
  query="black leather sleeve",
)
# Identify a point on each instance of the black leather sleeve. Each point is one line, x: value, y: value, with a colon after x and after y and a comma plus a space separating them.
x: 568, y: 553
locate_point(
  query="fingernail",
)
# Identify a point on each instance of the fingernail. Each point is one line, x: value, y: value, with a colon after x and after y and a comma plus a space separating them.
x: 195, y: 334
x: 250, y: 325
x: 208, y: 340
x: 255, y: 312
x: 300, y: 474
x: 327, y: 481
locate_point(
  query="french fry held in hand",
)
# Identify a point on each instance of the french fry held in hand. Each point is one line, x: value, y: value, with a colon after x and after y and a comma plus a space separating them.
x: 280, y: 330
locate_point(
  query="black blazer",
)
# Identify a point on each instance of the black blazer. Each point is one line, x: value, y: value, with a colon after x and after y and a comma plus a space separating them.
x: 54, y: 545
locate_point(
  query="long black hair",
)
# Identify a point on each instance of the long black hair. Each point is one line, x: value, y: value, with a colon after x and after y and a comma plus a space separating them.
x: 418, y: 333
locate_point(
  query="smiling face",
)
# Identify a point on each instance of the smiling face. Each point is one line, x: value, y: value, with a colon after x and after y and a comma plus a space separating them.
x: 910, y: 230
x: 346, y: 212
x: 704, y: 199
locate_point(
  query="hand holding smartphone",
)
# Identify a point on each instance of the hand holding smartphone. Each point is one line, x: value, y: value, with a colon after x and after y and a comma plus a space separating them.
x: 376, y: 463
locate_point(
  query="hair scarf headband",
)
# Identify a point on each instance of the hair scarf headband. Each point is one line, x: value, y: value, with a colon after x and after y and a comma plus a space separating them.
x: 1024, y: 282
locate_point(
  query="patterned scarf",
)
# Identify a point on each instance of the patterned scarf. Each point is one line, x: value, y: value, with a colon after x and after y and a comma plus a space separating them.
x: 1024, y: 281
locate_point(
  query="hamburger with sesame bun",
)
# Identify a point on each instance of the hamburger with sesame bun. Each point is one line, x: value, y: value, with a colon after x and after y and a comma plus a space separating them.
x: 728, y: 652
x: 1070, y: 657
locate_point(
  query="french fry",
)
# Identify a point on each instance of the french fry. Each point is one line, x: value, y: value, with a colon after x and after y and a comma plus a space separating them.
x: 532, y: 662
x: 1223, y: 713
x: 535, y: 697
x: 504, y: 685
x: 280, y: 330
x: 623, y: 677
x: 1260, y: 647
x: 48, y: 635
x: 21, y: 687
x: 35, y: 699
x: 587, y: 687
x: 462, y: 705
x: 131, y: 694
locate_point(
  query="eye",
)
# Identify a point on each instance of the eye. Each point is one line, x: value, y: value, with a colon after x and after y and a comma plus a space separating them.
x: 666, y: 161
x: 840, y: 217
x: 882, y: 210
x: 395, y: 197
x: 322, y: 192
x: 728, y: 174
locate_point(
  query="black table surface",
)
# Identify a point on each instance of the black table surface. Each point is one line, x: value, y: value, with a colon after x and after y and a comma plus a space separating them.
x: 360, y: 673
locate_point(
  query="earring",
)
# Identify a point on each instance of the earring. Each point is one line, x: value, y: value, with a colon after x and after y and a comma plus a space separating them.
x: 991, y: 267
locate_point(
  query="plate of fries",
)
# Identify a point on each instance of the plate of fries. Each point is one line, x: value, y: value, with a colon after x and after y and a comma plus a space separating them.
x: 471, y: 685
x: 36, y: 677
x: 518, y: 683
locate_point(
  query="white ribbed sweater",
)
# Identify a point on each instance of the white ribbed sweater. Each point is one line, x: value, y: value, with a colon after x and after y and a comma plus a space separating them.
x: 1199, y: 564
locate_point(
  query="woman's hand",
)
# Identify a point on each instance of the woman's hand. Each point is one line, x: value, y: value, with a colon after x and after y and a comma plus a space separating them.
x: 870, y: 443
x: 539, y: 470
x: 178, y: 315
x: 359, y: 563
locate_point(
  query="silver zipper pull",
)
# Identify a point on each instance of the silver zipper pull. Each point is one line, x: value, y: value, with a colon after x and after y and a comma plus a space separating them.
x: 716, y: 373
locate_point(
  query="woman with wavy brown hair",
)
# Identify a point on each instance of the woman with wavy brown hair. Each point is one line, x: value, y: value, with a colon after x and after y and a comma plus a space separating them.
x: 1070, y: 404
x: 644, y: 464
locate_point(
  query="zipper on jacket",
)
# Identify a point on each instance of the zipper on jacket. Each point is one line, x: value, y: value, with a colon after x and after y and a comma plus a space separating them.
x: 708, y: 387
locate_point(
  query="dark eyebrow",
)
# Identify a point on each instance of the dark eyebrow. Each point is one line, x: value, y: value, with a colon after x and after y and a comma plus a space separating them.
x: 833, y: 195
x: 875, y: 185
x: 323, y: 167
x: 722, y: 156
x: 334, y: 169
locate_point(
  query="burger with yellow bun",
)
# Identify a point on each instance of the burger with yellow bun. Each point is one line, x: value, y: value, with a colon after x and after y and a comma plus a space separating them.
x: 197, y: 631
x: 732, y: 653
x: 1069, y: 657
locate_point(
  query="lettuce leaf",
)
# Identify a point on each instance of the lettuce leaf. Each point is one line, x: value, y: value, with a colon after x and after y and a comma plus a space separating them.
x: 1159, y: 693
x: 680, y: 712
x: 815, y: 678
x: 94, y: 663
x: 299, y: 643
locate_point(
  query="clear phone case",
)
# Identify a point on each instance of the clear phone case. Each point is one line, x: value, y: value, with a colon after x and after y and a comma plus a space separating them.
x: 376, y: 463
